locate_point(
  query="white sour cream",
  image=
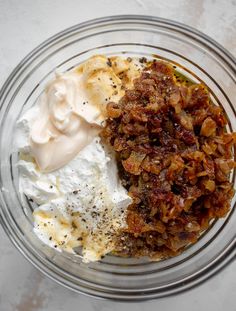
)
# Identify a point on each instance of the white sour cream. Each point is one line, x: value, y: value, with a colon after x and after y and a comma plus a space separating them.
x: 63, y: 166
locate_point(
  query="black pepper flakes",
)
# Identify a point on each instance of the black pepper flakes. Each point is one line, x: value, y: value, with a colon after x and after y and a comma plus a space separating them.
x: 143, y: 60
x: 109, y: 63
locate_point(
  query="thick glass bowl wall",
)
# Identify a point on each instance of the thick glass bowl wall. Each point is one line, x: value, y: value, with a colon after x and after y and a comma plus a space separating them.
x: 196, y: 56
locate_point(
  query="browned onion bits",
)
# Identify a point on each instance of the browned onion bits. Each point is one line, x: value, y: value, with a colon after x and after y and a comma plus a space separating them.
x: 174, y: 157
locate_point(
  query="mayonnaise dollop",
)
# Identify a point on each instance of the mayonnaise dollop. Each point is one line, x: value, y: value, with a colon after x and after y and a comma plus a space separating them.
x: 71, y: 111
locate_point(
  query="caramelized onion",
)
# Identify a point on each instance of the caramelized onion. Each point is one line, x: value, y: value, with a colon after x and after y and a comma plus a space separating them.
x: 174, y: 158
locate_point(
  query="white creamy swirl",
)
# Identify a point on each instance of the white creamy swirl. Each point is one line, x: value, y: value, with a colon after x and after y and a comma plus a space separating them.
x: 71, y: 111
x: 65, y: 169
x: 59, y: 131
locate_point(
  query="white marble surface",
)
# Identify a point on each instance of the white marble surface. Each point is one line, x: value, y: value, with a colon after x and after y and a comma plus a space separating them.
x: 23, y: 25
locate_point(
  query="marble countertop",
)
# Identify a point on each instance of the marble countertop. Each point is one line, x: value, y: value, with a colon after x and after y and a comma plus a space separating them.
x: 23, y: 25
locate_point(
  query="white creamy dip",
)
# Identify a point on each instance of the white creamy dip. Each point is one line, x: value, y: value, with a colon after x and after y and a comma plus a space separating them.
x: 81, y: 204
x: 64, y: 167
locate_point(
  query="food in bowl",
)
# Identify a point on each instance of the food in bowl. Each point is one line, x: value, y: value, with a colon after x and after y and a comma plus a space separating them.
x: 124, y: 156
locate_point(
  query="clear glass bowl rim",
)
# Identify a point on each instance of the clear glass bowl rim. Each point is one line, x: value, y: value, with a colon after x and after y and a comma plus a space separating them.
x: 228, y: 58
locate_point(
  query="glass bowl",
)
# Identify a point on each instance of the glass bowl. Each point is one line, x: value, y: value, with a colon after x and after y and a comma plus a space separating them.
x: 195, y: 55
